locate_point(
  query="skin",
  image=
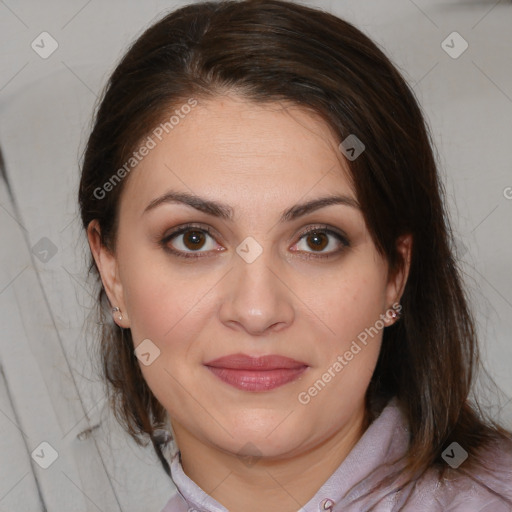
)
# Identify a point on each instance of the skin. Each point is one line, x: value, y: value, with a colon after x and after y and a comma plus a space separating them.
x: 259, y: 160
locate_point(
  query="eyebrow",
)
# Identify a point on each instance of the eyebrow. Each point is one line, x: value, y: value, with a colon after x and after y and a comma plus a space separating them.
x: 225, y: 212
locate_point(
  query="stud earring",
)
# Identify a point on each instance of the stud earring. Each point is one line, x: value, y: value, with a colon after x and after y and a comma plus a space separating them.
x: 396, y: 315
x: 117, y: 310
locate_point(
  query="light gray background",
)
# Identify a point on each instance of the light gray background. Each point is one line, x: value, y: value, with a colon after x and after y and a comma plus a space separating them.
x: 48, y: 391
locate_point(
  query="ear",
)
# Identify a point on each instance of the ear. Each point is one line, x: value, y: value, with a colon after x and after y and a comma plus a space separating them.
x: 398, y: 279
x: 107, y: 265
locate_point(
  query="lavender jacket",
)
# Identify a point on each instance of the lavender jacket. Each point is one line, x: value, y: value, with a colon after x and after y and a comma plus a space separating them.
x: 384, y: 441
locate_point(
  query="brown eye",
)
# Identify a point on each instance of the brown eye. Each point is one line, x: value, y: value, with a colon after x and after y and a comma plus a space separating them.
x: 189, y: 240
x: 321, y: 242
x: 194, y: 240
x: 317, y: 240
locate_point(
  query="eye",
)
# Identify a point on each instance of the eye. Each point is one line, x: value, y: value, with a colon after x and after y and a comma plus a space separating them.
x: 321, y: 240
x: 190, y: 239
x: 193, y: 241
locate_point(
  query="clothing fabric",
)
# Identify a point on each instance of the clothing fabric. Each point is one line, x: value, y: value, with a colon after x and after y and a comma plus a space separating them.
x: 372, y: 458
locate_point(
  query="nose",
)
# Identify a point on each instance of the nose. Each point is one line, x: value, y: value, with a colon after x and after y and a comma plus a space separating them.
x: 256, y: 298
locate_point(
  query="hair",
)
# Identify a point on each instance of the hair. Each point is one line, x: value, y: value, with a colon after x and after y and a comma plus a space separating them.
x: 277, y: 51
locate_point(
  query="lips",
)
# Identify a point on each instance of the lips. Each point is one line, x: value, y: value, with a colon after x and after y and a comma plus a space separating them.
x: 244, y: 362
x: 256, y: 373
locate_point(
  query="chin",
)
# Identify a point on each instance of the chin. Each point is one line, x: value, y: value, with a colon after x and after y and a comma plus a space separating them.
x: 270, y: 440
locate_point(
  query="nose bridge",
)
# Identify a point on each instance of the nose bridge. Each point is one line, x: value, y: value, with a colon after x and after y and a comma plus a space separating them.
x: 255, y: 276
x: 256, y: 300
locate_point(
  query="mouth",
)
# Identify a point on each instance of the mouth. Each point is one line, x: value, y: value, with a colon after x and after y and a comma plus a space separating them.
x: 256, y: 373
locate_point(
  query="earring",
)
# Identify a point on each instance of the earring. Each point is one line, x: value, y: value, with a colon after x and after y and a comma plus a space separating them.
x: 116, y: 310
x: 396, y: 315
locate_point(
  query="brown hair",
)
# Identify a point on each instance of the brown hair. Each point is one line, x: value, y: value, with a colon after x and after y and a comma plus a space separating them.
x: 273, y: 50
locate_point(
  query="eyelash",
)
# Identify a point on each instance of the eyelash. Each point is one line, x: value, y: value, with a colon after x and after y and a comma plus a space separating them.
x: 205, y: 229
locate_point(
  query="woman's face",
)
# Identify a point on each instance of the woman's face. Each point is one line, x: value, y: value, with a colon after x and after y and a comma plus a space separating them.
x: 277, y: 262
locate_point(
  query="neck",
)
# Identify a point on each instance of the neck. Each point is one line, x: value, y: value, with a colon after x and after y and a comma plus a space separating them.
x: 266, y: 483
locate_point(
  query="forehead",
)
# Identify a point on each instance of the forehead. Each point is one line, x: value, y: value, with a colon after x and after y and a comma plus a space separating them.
x: 229, y: 148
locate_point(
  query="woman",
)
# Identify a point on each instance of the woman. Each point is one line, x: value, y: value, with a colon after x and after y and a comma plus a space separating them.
x: 262, y: 205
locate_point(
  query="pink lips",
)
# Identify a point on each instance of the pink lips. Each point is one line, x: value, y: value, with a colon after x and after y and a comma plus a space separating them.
x: 256, y: 373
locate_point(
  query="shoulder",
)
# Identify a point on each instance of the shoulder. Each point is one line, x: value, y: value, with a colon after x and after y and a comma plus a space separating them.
x: 483, y: 487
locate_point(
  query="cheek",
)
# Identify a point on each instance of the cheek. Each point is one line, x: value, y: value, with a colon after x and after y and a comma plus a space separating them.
x: 147, y: 302
x: 158, y: 296
x: 350, y: 300
x: 171, y: 315
x: 350, y: 305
